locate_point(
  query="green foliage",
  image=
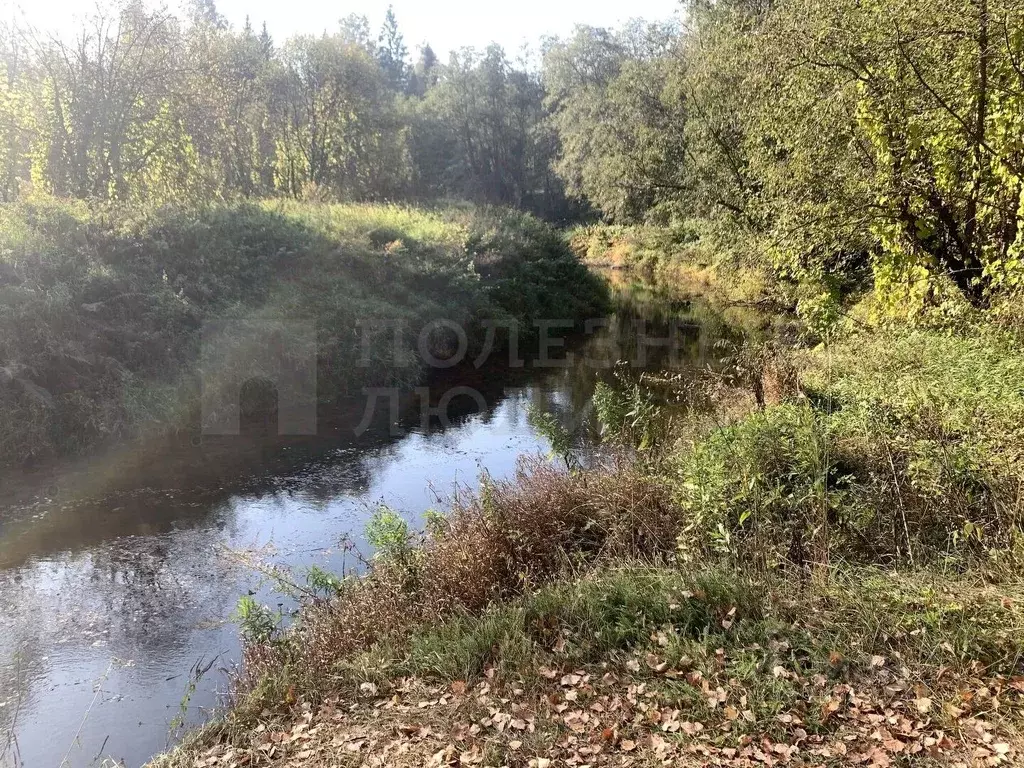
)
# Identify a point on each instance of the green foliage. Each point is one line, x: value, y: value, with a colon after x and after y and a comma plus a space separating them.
x: 257, y: 623
x: 143, y: 107
x: 550, y: 428
x: 480, y: 134
x: 763, y: 487
x: 678, y: 614
x: 628, y: 413
x: 388, y: 533
x: 820, y: 310
x: 828, y: 142
x: 617, y: 117
x: 906, y: 448
x: 319, y: 154
x: 322, y: 582
x: 530, y: 270
x: 614, y: 611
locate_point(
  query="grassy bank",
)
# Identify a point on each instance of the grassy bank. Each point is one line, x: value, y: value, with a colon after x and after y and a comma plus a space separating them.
x: 829, y: 578
x: 102, y: 308
x: 673, y: 255
x: 641, y: 666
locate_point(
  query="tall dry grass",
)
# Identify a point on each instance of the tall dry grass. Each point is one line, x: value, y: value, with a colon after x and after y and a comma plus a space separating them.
x: 509, y: 538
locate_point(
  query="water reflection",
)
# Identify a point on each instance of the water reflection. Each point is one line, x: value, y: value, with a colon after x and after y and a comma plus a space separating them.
x: 114, y: 579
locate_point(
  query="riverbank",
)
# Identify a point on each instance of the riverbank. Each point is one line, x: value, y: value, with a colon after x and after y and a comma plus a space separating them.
x: 827, y: 575
x: 638, y: 666
x: 104, y: 309
x: 675, y: 256
x: 136, y: 560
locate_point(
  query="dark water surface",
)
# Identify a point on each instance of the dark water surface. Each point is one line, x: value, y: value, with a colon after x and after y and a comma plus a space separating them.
x: 119, y: 574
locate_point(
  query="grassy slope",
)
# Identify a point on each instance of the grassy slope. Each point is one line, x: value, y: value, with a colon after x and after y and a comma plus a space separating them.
x: 101, y: 309
x: 636, y: 665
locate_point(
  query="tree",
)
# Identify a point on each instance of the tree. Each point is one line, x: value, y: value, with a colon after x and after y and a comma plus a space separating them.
x: 17, y: 124
x: 355, y: 29
x: 338, y: 126
x: 98, y: 96
x: 392, y: 53
x: 424, y: 74
x: 488, y: 119
x: 821, y: 138
x: 618, y: 117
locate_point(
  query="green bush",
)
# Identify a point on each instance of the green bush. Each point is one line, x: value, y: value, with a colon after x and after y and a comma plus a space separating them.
x: 906, y: 447
x: 529, y: 270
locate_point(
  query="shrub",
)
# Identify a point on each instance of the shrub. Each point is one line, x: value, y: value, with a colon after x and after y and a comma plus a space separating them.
x: 906, y: 449
x: 529, y: 270
x: 506, y: 540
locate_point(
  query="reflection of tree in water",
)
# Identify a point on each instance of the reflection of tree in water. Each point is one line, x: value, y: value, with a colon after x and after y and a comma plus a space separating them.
x: 259, y: 405
x: 138, y: 597
x: 138, y: 602
x: 132, y: 608
x: 649, y: 333
x: 154, y: 591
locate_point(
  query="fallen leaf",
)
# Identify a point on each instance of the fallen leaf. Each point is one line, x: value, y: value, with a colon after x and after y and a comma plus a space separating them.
x: 729, y: 618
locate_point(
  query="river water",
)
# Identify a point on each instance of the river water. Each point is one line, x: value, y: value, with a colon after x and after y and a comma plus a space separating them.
x: 119, y: 573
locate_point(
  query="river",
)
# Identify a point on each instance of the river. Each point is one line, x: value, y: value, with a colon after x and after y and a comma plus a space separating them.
x: 119, y: 573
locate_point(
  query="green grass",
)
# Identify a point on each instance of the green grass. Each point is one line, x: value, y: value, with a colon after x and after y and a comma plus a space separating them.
x: 101, y: 308
x: 902, y: 447
x: 969, y: 384
x: 930, y: 620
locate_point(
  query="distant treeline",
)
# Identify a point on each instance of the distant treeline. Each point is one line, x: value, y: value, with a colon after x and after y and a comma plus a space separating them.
x: 145, y: 106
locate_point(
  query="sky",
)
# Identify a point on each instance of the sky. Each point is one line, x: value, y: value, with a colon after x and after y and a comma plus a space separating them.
x: 445, y: 24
